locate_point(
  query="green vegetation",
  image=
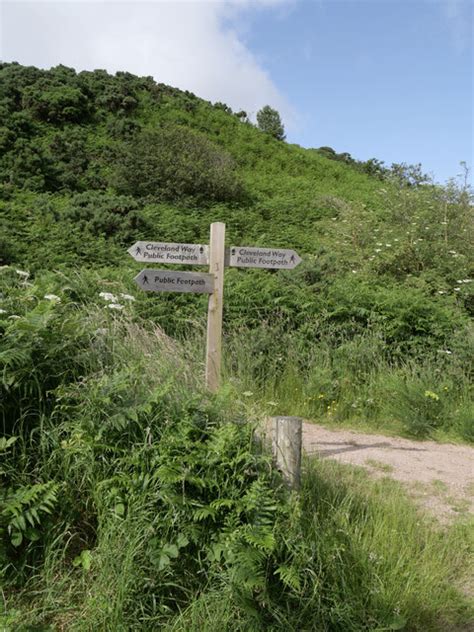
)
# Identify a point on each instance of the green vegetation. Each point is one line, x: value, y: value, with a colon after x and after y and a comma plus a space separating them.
x: 378, y: 314
x: 269, y: 121
x: 130, y: 498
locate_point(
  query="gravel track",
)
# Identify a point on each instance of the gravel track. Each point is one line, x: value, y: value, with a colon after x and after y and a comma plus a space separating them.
x: 440, y: 476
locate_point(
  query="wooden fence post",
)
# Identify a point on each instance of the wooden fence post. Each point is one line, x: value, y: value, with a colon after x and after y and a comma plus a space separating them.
x: 214, y: 313
x: 286, y: 445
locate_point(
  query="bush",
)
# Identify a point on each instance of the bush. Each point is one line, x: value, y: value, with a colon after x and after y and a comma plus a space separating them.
x: 55, y: 103
x: 176, y: 163
x: 114, y: 217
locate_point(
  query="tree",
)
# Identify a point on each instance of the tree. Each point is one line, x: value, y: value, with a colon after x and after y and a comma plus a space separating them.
x: 269, y: 121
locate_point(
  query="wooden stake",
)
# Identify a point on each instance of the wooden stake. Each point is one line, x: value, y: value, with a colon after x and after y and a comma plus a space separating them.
x: 214, y: 314
x: 286, y: 443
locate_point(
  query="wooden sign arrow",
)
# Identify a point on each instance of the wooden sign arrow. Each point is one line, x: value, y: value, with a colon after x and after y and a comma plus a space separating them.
x: 156, y: 251
x: 175, y: 281
x: 249, y: 257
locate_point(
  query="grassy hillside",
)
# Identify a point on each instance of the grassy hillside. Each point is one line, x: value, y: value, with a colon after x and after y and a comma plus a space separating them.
x: 130, y: 498
x: 377, y: 315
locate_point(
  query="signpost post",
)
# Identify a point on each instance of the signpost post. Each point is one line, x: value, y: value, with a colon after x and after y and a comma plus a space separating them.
x: 216, y: 303
x: 212, y: 283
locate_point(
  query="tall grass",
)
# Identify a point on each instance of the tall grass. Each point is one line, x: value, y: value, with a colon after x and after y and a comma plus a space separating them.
x: 368, y: 561
x: 357, y: 381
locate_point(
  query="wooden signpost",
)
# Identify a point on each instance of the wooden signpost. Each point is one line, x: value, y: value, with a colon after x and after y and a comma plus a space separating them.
x: 217, y: 256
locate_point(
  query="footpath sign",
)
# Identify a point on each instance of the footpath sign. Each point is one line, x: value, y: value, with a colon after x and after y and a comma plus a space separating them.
x: 158, y: 252
x: 248, y: 257
x: 217, y: 257
x: 171, y: 281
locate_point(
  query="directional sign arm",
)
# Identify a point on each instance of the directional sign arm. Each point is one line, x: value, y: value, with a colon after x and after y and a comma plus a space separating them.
x: 251, y: 257
x: 161, y: 252
x: 175, y: 281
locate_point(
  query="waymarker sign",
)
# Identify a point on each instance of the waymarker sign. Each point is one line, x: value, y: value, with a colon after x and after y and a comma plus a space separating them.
x: 175, y: 281
x: 245, y: 257
x: 158, y: 252
x: 217, y: 257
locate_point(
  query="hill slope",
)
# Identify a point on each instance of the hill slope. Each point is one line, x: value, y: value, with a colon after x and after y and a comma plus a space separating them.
x: 91, y: 162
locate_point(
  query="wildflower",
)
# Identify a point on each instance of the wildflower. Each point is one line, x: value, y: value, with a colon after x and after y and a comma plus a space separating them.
x: 272, y: 404
x: 127, y: 297
x: 321, y: 396
x: 378, y: 250
x: 101, y: 331
x: 432, y: 395
x: 457, y: 289
x: 354, y: 271
x: 388, y: 245
x: 467, y: 280
x: 107, y: 296
x: 452, y: 252
x: 14, y: 317
x: 247, y: 393
x: 115, y: 306
x: 22, y: 273
x: 52, y: 297
x: 3, y: 311
x: 441, y: 292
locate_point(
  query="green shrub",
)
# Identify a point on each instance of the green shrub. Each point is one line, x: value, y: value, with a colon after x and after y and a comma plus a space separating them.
x: 55, y: 103
x: 175, y: 163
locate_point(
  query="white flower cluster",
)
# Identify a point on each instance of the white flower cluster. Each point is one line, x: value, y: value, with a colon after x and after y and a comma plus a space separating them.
x: 113, y: 301
x: 107, y: 296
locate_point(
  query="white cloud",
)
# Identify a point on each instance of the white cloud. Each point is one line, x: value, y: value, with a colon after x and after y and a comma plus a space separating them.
x: 190, y: 44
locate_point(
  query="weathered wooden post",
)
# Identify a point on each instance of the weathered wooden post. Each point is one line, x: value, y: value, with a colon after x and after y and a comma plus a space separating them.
x: 286, y: 446
x: 216, y: 302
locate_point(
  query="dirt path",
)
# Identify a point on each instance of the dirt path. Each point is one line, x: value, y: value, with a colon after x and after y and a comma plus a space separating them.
x: 439, y: 475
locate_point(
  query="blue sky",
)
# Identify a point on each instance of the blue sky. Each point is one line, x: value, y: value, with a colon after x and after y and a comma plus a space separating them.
x: 386, y: 79
x: 391, y: 80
